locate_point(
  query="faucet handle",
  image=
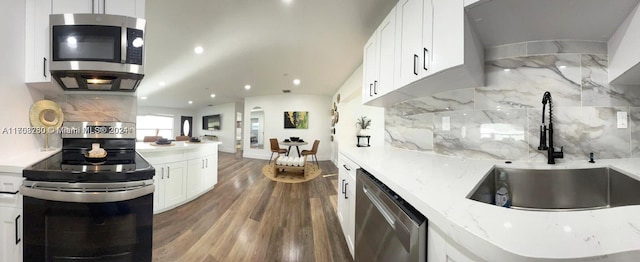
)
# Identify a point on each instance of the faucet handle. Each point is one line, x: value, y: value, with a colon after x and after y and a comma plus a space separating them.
x: 559, y: 154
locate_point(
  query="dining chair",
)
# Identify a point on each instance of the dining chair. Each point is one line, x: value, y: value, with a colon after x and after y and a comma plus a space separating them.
x: 183, y: 138
x: 151, y: 138
x: 313, y: 152
x: 275, y: 148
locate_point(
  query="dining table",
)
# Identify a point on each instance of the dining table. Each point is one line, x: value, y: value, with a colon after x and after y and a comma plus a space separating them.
x: 289, y: 144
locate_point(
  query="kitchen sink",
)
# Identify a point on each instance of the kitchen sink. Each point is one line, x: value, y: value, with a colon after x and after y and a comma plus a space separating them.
x: 561, y: 189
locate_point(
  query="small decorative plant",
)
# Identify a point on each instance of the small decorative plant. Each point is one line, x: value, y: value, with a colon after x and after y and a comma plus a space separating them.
x: 363, y: 122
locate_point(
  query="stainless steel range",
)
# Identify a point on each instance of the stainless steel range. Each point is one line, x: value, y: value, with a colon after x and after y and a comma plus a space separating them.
x: 93, y: 201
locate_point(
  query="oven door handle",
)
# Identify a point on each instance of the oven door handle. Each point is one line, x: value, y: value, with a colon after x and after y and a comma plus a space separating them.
x: 87, y: 197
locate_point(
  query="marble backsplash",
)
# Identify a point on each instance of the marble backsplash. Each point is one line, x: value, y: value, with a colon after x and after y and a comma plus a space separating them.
x: 98, y: 107
x: 502, y: 119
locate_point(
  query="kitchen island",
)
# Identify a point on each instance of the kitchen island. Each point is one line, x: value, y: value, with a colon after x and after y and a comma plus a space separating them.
x: 184, y: 171
x: 462, y: 229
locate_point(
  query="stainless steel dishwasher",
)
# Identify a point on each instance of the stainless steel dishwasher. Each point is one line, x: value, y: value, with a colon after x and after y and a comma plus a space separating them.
x: 387, y: 227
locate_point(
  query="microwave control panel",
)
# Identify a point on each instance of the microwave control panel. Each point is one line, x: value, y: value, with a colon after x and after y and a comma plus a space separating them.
x: 135, y: 45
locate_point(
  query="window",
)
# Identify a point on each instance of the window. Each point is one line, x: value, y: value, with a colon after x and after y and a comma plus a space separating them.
x: 149, y: 125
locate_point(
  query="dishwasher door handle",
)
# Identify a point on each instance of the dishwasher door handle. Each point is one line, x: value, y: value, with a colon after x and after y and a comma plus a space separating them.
x: 403, y: 234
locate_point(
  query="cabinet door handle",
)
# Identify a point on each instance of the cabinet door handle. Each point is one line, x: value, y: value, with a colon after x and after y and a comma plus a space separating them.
x: 375, y: 87
x: 343, y: 189
x: 346, y: 167
x: 202, y: 163
x: 18, y: 239
x: 206, y: 160
x: 415, y: 64
x: 168, y: 172
x: 162, y: 173
x: 44, y: 67
x: 370, y: 89
x: 426, y: 57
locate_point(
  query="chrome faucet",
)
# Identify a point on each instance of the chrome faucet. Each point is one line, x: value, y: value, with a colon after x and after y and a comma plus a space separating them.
x: 551, y: 153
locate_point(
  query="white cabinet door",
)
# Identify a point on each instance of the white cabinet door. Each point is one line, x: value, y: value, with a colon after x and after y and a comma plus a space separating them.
x: 350, y: 194
x: 409, y: 26
x: 347, y: 200
x: 37, y: 41
x: 132, y: 8
x: 436, y: 244
x: 158, y: 182
x: 195, y: 168
x: 175, y: 188
x: 427, y: 37
x: 210, y: 172
x: 73, y: 6
x: 11, y: 234
x: 370, y: 68
x: 386, y: 32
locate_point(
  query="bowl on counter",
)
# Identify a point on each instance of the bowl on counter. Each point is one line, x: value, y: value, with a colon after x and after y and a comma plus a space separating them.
x: 163, y: 141
x: 294, y: 138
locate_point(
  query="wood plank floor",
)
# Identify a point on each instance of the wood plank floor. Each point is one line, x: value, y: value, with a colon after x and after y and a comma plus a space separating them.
x: 248, y: 217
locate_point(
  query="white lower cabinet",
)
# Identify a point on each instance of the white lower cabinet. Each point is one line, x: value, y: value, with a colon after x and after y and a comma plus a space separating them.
x: 182, y: 175
x: 11, y: 234
x: 170, y: 182
x: 347, y: 200
x: 440, y: 249
x: 202, y: 175
x: 175, y: 189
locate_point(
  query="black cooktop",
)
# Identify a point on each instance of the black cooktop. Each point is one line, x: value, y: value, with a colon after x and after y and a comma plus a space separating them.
x: 121, y: 164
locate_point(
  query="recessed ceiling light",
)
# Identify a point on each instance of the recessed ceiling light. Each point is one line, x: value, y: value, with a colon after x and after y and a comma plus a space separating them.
x: 563, y: 66
x: 143, y: 97
x: 247, y: 87
x: 507, y: 69
x: 198, y: 50
x: 296, y: 82
x: 213, y: 95
x: 190, y: 102
x: 287, y: 1
x: 162, y: 83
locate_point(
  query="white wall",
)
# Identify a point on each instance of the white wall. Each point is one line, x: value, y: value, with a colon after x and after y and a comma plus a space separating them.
x: 274, y: 107
x: 350, y: 109
x: 17, y: 98
x: 174, y: 112
x: 226, y: 134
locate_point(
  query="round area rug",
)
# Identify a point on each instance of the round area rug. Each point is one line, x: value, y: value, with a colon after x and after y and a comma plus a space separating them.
x: 291, y: 177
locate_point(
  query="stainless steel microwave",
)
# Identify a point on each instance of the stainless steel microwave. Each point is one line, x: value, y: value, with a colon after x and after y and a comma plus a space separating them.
x: 97, y: 51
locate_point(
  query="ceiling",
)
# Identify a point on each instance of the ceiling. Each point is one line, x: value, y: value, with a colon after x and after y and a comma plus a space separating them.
x: 265, y: 43
x: 500, y: 22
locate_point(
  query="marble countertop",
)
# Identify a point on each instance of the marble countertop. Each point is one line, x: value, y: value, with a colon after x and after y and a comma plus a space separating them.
x: 144, y: 147
x: 438, y: 187
x: 16, y: 162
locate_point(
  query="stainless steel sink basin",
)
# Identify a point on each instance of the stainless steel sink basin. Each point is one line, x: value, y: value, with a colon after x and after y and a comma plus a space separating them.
x: 562, y: 189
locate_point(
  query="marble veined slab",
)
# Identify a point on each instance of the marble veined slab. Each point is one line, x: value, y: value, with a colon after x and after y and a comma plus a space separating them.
x: 634, y: 125
x: 566, y: 46
x: 487, y: 134
x: 409, y: 124
x: 84, y: 107
x: 520, y: 82
x: 596, y: 90
x: 581, y: 130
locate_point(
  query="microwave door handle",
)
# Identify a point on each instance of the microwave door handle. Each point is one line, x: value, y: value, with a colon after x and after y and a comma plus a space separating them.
x: 123, y: 45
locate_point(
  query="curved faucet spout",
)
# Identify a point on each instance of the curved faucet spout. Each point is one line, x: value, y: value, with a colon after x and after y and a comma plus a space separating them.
x: 551, y: 153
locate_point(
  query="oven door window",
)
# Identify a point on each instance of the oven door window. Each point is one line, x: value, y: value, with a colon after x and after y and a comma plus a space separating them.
x: 86, y: 43
x: 114, y: 231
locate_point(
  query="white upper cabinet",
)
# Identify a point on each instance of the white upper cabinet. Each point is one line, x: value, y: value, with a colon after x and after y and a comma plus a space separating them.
x: 73, y: 6
x: 37, y: 41
x: 132, y: 8
x: 436, y: 50
x: 410, y: 39
x: 624, y: 58
x: 379, y: 60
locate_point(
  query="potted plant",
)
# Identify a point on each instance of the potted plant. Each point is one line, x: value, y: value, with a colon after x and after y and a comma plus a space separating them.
x: 363, y: 124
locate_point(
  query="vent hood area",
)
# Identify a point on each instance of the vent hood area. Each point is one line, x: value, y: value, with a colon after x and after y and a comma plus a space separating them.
x: 97, y: 80
x: 500, y: 22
